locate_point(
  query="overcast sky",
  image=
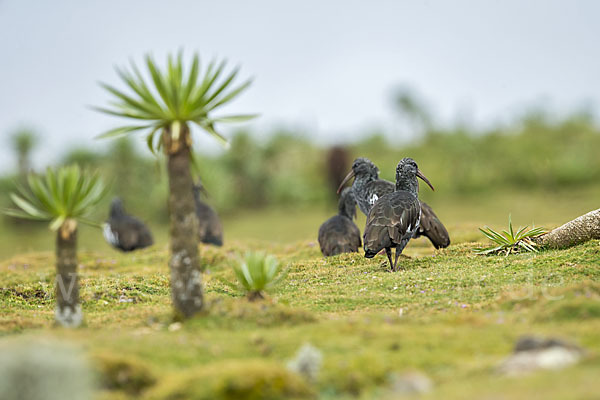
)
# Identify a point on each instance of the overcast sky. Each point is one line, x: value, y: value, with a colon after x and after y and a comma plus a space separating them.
x: 327, y: 66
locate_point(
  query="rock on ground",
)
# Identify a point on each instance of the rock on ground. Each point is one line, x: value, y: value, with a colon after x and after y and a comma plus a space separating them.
x: 533, y: 353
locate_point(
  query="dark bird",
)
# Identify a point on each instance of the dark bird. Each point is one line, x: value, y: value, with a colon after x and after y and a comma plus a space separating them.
x: 124, y: 231
x: 210, y: 230
x: 339, y: 234
x: 368, y: 188
x: 395, y: 217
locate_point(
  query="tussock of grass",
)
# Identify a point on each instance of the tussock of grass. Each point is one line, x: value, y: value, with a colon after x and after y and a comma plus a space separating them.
x: 575, y: 310
x: 123, y: 373
x: 574, y: 302
x: 355, y: 374
x: 239, y: 380
x: 266, y: 313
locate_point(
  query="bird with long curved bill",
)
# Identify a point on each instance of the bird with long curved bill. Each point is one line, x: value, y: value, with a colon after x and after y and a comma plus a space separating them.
x: 395, y: 217
x: 125, y: 232
x: 368, y: 188
x: 339, y: 234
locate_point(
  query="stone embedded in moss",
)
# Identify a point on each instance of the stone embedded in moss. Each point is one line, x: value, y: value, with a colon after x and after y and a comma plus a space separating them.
x: 307, y: 362
x: 43, y: 370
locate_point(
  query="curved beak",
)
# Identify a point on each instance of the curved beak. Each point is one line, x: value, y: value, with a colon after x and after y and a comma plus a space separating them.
x: 420, y: 175
x: 346, y: 179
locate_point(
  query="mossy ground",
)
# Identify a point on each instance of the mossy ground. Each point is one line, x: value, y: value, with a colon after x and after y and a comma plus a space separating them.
x: 449, y: 314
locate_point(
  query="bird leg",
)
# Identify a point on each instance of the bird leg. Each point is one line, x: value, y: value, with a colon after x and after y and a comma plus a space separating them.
x: 398, y: 252
x: 388, y: 251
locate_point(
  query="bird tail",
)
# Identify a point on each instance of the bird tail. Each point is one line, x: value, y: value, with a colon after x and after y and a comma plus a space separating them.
x: 214, y: 240
x: 370, y: 253
x: 432, y: 228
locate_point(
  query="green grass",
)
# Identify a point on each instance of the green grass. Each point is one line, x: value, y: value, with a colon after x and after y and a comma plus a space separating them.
x: 462, y: 215
x: 450, y: 314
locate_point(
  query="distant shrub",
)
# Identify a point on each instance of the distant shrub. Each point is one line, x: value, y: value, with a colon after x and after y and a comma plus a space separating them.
x: 230, y: 312
x: 83, y: 156
x: 286, y: 168
x: 43, y: 371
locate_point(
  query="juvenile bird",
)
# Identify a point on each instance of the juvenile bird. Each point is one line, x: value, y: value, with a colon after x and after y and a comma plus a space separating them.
x: 339, y: 234
x: 368, y: 188
x: 395, y: 217
x: 124, y: 231
x: 210, y: 230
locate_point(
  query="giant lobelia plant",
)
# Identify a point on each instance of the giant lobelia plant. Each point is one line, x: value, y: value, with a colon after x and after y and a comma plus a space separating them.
x: 65, y: 197
x: 166, y: 106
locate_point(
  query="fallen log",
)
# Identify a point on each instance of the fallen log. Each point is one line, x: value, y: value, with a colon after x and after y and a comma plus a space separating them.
x: 579, y: 230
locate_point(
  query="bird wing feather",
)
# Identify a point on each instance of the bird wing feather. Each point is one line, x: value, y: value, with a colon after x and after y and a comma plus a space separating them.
x: 355, y: 241
x: 380, y: 188
x: 390, y: 220
x: 129, y: 233
x: 134, y: 234
x: 432, y: 228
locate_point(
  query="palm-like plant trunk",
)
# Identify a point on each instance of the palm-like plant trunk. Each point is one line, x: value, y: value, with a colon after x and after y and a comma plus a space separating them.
x: 68, y: 310
x: 579, y: 230
x: 23, y: 165
x: 186, y: 281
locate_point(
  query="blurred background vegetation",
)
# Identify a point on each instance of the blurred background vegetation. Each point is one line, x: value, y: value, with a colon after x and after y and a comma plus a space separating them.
x: 537, y: 156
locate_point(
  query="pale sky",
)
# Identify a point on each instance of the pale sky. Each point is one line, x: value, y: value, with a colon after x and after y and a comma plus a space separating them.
x: 327, y: 66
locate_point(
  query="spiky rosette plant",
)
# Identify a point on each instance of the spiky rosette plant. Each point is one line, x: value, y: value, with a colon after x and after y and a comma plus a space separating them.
x: 509, y: 241
x: 256, y: 273
x: 167, y: 106
x: 64, y: 197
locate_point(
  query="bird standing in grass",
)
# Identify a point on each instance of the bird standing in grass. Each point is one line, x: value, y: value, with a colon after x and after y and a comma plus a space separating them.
x: 210, y: 230
x: 368, y: 188
x: 124, y: 231
x: 339, y: 234
x: 395, y: 217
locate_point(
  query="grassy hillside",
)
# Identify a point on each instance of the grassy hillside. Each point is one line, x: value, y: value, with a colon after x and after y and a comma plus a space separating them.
x: 449, y: 314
